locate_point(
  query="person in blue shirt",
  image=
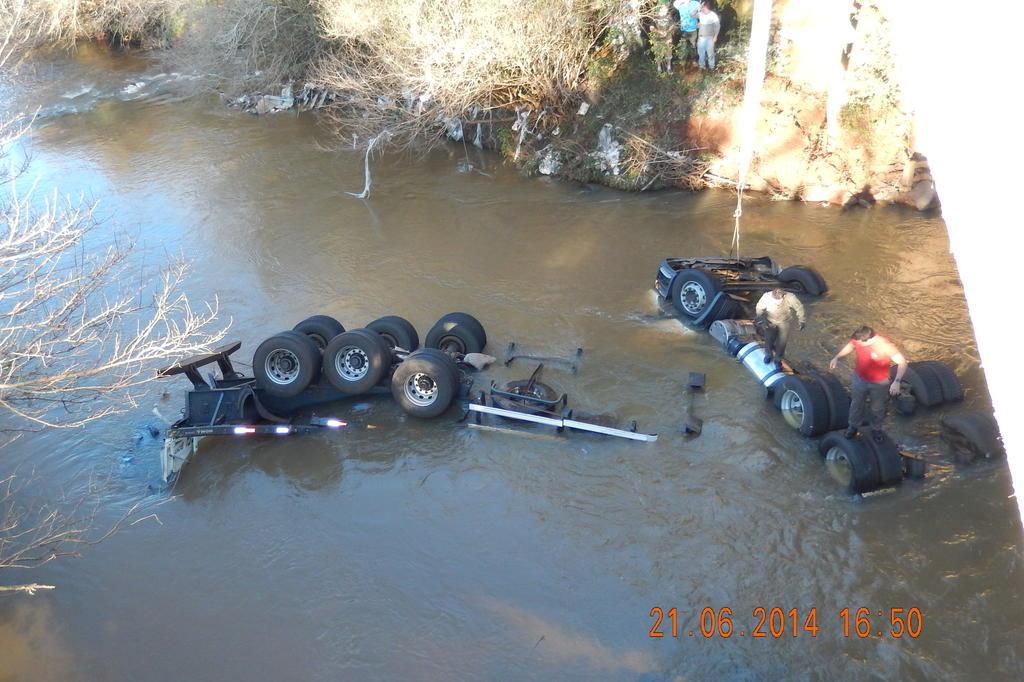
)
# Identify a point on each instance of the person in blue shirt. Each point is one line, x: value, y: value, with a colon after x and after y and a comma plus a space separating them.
x: 688, y: 24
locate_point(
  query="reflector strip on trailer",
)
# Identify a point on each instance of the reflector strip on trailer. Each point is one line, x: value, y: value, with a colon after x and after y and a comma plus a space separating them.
x: 511, y: 414
x: 608, y: 431
x: 564, y: 423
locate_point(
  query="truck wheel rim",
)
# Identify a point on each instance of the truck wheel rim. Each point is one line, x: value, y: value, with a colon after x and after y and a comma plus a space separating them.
x: 693, y: 298
x: 838, y: 466
x: 352, y: 363
x: 421, y: 389
x: 792, y: 408
x: 282, y: 366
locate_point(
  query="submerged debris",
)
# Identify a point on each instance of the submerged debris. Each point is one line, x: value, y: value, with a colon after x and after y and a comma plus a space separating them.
x: 310, y: 97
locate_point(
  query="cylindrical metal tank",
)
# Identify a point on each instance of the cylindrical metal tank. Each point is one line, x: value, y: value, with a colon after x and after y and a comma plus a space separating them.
x: 752, y: 357
x: 723, y: 330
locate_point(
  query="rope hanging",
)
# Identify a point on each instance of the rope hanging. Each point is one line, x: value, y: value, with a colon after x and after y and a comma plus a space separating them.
x: 757, y: 64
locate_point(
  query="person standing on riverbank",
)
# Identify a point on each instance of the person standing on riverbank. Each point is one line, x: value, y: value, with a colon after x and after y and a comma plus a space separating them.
x: 708, y: 28
x: 777, y: 309
x: 664, y: 35
x: 875, y: 355
x: 688, y: 24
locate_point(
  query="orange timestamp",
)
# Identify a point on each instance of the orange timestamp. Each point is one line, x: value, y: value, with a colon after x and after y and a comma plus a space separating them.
x: 776, y: 623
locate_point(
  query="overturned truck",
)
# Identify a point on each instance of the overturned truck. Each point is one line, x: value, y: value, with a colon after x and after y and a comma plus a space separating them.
x: 315, y: 364
x: 717, y: 294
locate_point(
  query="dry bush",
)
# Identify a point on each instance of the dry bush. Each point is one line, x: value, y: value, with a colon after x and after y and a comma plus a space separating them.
x: 652, y: 166
x: 407, y: 67
x: 66, y: 21
x: 251, y: 44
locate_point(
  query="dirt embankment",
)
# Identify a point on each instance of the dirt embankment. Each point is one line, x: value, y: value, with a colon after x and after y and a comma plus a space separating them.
x: 832, y: 127
x: 572, y: 89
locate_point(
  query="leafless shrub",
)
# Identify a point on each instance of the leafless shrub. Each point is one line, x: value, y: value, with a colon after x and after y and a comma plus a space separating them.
x: 409, y: 68
x: 80, y: 331
x: 651, y: 166
x: 66, y: 21
x: 77, y: 335
x: 34, y: 532
x: 251, y: 44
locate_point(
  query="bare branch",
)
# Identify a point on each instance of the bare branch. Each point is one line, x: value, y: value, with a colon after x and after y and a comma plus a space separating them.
x: 81, y: 330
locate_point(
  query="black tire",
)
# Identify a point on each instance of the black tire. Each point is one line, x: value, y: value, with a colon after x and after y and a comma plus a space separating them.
x: 803, y: 404
x: 692, y: 291
x: 467, y: 320
x: 457, y: 332
x: 924, y: 384
x: 355, y: 361
x: 890, y: 463
x: 286, y: 364
x: 320, y: 328
x: 524, y: 387
x: 906, y: 404
x: 837, y: 396
x: 726, y: 309
x: 397, y: 331
x: 952, y: 389
x: 422, y: 385
x: 862, y: 475
x: 805, y: 278
x: 973, y: 435
x: 446, y: 359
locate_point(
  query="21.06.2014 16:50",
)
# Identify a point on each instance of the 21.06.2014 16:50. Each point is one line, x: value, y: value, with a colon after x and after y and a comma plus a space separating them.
x: 776, y: 623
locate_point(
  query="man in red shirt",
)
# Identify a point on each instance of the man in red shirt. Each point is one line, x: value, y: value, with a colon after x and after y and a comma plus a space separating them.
x: 875, y: 354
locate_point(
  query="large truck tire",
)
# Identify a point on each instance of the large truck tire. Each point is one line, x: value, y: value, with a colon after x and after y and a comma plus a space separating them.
x: 422, y: 385
x: 356, y: 361
x: 952, y: 389
x: 459, y: 333
x: 444, y: 358
x: 837, y: 396
x: 972, y: 436
x: 320, y: 328
x: 803, y: 404
x: 693, y: 290
x: 924, y: 384
x: 803, y: 277
x: 397, y: 331
x: 890, y: 463
x: 850, y: 462
x: 286, y: 364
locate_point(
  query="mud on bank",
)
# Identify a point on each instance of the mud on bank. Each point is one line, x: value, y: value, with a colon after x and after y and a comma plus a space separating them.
x: 567, y: 88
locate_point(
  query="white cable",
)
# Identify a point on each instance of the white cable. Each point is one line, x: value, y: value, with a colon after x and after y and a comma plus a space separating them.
x: 757, y: 64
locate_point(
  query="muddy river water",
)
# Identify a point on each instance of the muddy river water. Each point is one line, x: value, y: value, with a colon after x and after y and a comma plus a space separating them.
x: 429, y: 551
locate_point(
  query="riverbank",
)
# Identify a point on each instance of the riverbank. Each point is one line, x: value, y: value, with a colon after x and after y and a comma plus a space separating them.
x: 569, y: 89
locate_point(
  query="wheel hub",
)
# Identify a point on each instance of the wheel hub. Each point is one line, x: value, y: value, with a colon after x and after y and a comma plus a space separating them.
x: 352, y: 363
x: 452, y: 345
x: 282, y: 366
x: 792, y: 408
x: 421, y: 389
x: 693, y: 298
x: 838, y: 466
